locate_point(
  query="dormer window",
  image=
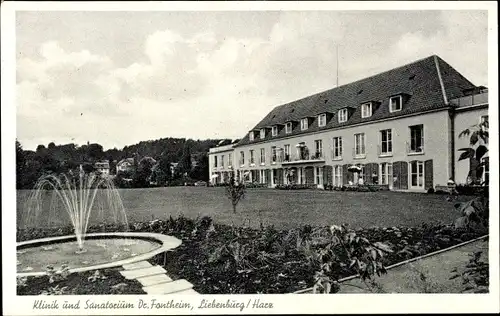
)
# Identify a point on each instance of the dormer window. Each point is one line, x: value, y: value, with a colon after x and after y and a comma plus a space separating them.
x: 304, y: 124
x: 366, y: 110
x: 251, y: 136
x: 275, y: 130
x: 321, y: 120
x: 342, y: 115
x: 263, y: 133
x: 395, y: 103
x: 288, y: 127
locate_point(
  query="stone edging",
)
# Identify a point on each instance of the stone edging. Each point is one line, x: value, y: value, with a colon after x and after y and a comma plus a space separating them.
x: 403, y: 262
x: 167, y: 243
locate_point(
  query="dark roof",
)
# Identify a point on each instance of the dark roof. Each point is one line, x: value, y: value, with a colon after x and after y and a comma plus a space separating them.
x: 418, y: 82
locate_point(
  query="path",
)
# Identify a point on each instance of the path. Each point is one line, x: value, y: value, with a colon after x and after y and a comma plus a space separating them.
x: 436, y: 269
x: 155, y: 280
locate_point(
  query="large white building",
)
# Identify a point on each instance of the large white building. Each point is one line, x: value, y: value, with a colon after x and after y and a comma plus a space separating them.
x: 399, y: 127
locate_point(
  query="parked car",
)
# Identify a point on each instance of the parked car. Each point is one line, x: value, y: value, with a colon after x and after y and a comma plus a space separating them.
x: 200, y: 184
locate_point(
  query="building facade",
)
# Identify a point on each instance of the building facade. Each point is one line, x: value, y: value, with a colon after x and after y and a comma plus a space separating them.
x: 400, y: 128
x: 102, y: 167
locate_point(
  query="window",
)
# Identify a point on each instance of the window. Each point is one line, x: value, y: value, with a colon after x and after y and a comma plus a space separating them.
x: 416, y: 139
x: 263, y: 133
x: 395, y: 103
x: 215, y: 161
x: 322, y: 120
x: 242, y: 158
x: 222, y: 161
x: 262, y: 176
x: 337, y: 175
x: 386, y: 142
x: 304, y: 124
x: 319, y: 148
x: 275, y: 130
x: 262, y: 156
x: 342, y: 115
x: 366, y: 110
x: 251, y: 136
x: 252, y: 158
x: 287, y: 152
x: 359, y: 144
x: 359, y: 177
x: 417, y: 174
x: 273, y: 154
x: 337, y: 148
x: 288, y: 127
x: 230, y: 160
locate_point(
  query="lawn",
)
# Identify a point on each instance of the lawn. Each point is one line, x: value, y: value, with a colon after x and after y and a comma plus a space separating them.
x: 284, y: 209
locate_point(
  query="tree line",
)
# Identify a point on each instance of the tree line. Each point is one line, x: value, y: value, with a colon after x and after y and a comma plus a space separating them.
x: 31, y: 165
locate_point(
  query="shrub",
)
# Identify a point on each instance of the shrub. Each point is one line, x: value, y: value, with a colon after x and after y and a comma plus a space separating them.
x: 431, y: 191
x: 235, y: 192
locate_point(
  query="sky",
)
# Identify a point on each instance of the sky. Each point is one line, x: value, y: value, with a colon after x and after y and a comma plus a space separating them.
x: 117, y: 78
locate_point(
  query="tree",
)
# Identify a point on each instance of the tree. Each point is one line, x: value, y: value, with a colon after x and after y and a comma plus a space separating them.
x: 20, y: 165
x: 235, y: 192
x: 185, y: 162
x: 95, y: 152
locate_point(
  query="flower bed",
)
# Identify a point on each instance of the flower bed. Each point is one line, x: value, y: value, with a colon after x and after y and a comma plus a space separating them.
x: 105, y: 282
x: 236, y: 260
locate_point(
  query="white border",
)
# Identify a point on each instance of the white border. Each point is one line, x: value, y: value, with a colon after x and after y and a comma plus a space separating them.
x: 310, y: 304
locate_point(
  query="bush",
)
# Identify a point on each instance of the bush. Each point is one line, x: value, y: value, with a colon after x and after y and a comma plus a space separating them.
x: 431, y: 191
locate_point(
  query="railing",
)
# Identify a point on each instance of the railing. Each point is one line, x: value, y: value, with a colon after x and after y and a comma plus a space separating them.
x: 481, y: 98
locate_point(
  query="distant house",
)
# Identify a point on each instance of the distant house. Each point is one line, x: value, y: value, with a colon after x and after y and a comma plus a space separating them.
x: 102, y: 167
x: 125, y: 165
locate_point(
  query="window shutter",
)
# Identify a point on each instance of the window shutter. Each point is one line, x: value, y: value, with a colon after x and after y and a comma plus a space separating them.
x: 396, y: 172
x: 279, y: 174
x: 346, y: 175
x: 429, y: 181
x: 368, y: 173
x: 309, y: 175
x: 404, y: 175
x: 328, y: 175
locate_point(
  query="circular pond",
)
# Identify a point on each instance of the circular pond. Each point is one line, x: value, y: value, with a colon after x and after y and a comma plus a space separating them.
x: 100, y: 251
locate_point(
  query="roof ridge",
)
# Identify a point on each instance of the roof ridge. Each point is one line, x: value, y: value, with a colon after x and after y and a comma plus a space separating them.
x: 441, y: 84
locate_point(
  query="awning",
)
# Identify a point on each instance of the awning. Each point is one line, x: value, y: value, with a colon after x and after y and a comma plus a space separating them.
x: 354, y: 169
x: 214, y: 176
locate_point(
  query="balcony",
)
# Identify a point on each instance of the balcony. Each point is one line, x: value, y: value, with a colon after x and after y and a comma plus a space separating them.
x: 470, y: 100
x: 414, y: 149
x: 304, y: 157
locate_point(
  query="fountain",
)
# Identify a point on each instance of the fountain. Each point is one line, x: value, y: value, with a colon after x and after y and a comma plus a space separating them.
x: 85, y: 199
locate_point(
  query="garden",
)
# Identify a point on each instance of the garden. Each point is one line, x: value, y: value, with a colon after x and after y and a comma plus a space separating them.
x: 229, y: 259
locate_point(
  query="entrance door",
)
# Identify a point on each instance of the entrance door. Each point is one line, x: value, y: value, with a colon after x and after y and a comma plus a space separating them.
x: 417, y: 175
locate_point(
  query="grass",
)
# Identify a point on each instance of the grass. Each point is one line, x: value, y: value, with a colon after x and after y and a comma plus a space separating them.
x: 283, y: 209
